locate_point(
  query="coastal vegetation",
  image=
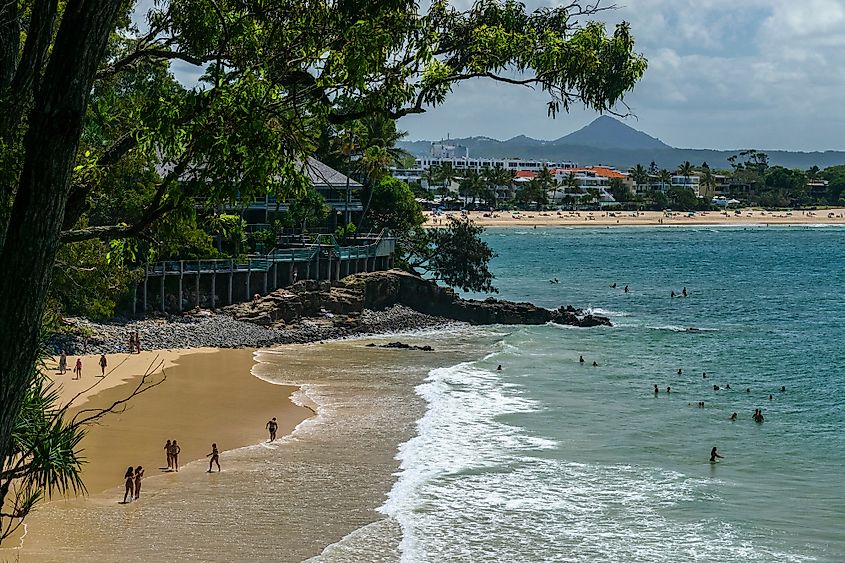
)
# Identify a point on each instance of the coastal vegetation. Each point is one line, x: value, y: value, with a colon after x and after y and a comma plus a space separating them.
x: 101, y: 145
x: 750, y: 180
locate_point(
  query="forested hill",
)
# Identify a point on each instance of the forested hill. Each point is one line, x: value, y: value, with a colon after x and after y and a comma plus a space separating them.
x: 611, y: 142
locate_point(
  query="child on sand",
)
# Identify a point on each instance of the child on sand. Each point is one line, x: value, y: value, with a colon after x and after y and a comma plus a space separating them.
x: 215, y: 458
x: 129, y: 479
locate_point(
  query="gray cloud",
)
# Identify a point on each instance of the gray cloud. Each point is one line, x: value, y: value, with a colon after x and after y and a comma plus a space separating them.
x: 722, y: 74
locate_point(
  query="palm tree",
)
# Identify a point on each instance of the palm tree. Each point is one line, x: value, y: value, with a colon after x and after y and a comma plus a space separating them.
x: 545, y: 179
x: 571, y: 182
x: 686, y: 169
x: 446, y: 173
x: 498, y: 176
x: 665, y: 178
x: 707, y: 178
x: 640, y: 176
x: 473, y: 185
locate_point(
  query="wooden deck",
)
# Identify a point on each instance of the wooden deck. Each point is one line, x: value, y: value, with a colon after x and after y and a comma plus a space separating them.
x: 175, y: 286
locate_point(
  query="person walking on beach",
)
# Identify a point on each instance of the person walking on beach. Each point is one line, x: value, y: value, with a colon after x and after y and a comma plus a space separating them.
x: 62, y: 363
x: 129, y: 479
x: 103, y: 364
x: 167, y: 447
x: 77, y: 370
x: 215, y: 458
x: 272, y: 426
x: 137, y: 342
x: 139, y: 474
x: 131, y: 342
x: 714, y: 455
x: 174, y: 455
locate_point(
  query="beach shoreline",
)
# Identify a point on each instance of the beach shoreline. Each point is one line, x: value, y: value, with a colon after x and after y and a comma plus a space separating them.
x: 746, y: 218
x: 206, y: 396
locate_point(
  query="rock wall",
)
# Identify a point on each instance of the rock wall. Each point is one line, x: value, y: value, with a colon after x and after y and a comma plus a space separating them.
x: 347, y: 299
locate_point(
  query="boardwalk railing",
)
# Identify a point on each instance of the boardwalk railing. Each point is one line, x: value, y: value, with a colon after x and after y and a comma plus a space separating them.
x: 381, y: 246
x: 322, y: 258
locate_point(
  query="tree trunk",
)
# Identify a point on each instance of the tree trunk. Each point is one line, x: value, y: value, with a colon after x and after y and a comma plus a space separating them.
x: 53, y: 131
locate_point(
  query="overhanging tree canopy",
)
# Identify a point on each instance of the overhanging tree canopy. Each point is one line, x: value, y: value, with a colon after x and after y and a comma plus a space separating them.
x: 84, y: 95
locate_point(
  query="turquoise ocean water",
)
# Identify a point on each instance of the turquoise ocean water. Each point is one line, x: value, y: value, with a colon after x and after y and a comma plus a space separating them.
x: 552, y: 460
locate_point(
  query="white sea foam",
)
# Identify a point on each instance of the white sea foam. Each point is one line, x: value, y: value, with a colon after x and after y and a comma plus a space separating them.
x: 606, y: 312
x: 459, y: 434
x: 690, y: 329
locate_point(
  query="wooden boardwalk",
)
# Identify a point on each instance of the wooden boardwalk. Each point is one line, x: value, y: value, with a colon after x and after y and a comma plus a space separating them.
x: 175, y: 286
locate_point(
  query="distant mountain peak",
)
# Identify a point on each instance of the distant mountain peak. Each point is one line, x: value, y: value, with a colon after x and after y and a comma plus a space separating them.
x: 609, y: 133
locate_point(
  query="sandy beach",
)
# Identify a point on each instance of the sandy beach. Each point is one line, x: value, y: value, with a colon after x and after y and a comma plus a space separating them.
x: 315, y: 490
x: 647, y: 218
x: 207, y: 396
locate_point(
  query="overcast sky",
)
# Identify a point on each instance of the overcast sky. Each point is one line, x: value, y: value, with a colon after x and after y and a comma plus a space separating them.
x: 722, y: 74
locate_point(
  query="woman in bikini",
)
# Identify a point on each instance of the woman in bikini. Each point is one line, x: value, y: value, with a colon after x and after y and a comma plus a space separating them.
x: 139, y: 474
x: 174, y: 455
x: 129, y: 478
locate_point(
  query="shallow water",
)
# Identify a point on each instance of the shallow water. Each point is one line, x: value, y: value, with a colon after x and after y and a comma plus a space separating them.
x: 553, y: 460
x: 549, y: 459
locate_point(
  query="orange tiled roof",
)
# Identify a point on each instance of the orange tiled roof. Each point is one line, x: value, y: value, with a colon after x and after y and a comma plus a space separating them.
x: 525, y: 174
x: 600, y: 171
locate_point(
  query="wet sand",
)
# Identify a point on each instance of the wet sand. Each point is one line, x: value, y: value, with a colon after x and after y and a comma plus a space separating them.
x: 313, y: 492
x: 206, y: 397
x: 747, y: 217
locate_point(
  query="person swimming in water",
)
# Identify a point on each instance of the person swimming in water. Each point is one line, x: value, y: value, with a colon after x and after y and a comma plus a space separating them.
x: 595, y: 365
x: 715, y: 388
x: 656, y: 390
x: 733, y: 417
x: 673, y: 293
x: 499, y: 368
x: 680, y: 371
x: 714, y: 455
x: 581, y: 359
x: 783, y: 388
x: 626, y: 289
x: 668, y: 390
x: 613, y: 285
x: 684, y: 292
x: 704, y: 375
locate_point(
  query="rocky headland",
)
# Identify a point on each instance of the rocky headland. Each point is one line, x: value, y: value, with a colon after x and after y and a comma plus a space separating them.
x: 309, y: 311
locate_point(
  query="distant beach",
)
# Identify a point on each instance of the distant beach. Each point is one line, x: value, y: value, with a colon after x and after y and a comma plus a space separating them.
x: 648, y: 218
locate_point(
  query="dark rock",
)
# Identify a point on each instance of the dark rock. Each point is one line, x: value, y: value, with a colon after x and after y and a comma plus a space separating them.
x: 402, y: 346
